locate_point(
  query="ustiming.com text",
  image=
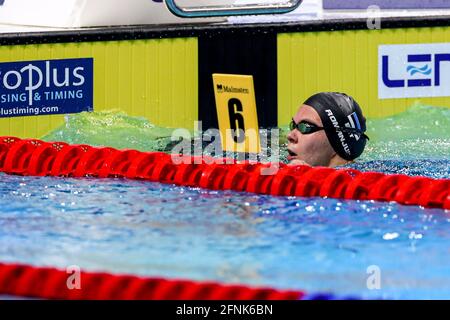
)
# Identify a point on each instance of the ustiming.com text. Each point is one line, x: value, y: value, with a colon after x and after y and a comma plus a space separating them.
x: 28, y: 111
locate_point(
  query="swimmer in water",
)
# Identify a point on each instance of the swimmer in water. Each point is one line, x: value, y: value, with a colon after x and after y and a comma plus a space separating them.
x: 327, y: 130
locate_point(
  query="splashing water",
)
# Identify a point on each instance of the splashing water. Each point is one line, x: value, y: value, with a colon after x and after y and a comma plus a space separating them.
x: 422, y: 132
x: 111, y: 128
x: 415, y: 142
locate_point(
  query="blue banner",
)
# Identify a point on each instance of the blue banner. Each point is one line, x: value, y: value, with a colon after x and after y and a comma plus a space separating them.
x: 32, y: 88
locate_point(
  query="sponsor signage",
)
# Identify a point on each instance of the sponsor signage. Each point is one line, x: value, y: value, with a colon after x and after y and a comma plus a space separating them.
x: 31, y: 88
x: 413, y: 70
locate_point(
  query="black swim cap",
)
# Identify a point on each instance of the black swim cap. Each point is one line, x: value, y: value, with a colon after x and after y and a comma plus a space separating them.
x: 343, y: 121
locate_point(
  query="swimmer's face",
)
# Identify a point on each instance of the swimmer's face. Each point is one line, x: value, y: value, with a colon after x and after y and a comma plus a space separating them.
x: 313, y: 148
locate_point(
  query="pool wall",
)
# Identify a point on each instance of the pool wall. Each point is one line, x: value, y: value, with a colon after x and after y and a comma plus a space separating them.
x: 164, y: 73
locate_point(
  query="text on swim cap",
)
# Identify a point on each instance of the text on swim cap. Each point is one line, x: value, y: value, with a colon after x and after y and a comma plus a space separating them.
x: 338, y: 130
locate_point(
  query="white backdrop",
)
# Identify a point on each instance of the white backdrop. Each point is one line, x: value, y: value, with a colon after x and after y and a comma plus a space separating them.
x: 89, y: 13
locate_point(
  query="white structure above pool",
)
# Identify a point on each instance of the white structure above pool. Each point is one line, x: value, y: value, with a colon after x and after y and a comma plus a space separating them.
x: 17, y: 16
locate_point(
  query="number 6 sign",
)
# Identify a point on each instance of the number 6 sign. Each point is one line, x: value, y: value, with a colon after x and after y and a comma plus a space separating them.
x: 236, y: 112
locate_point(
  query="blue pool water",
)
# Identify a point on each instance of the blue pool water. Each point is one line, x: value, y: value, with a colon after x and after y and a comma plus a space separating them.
x: 311, y: 244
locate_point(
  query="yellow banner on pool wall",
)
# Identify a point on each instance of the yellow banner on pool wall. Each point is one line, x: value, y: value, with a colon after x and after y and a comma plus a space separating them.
x: 236, y: 112
x: 152, y: 78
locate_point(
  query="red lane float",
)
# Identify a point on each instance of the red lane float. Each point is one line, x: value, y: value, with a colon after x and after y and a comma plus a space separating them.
x: 39, y: 158
x: 50, y: 283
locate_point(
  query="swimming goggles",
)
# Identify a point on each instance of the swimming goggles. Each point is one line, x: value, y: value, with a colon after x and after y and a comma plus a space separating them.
x: 306, y: 127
